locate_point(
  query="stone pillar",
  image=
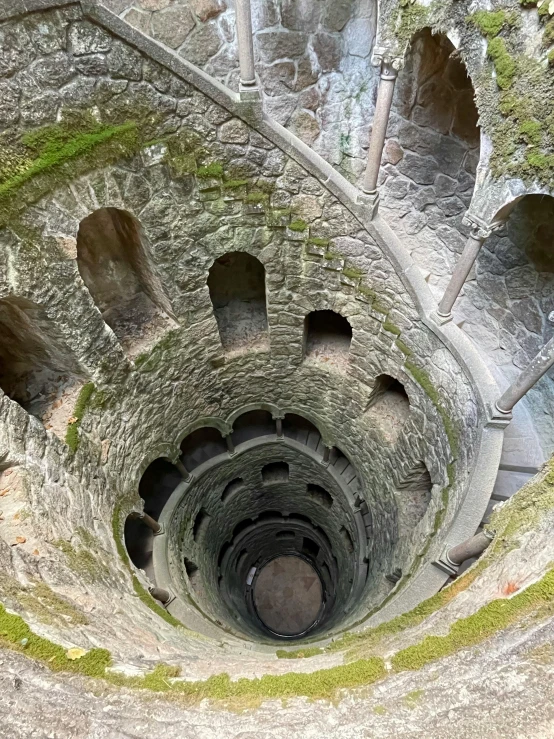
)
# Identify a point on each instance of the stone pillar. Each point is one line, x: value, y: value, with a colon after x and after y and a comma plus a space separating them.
x: 528, y: 377
x: 164, y: 596
x: 230, y: 444
x: 389, y: 72
x: 279, y: 427
x: 470, y: 548
x: 186, y: 475
x: 151, y: 523
x: 326, y: 454
x: 245, y: 45
x: 479, y: 232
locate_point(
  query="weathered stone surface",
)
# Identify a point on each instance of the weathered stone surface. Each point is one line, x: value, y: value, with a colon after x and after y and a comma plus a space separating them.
x: 274, y: 45
x: 172, y: 25
x: 234, y: 132
x: 328, y: 51
x: 202, y: 44
x: 85, y: 38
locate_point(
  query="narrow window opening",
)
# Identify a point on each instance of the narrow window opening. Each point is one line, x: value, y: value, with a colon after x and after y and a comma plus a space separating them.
x: 310, y: 548
x: 241, y: 559
x: 389, y: 407
x: 345, y: 535
x: 237, y: 290
x: 191, y: 568
x: 275, y: 472
x: 320, y: 495
x: 285, y: 534
x: 222, y: 552
x: 232, y: 488
x: 327, y: 337
x: 114, y: 261
x: 413, y: 495
x: 200, y: 524
x: 36, y: 370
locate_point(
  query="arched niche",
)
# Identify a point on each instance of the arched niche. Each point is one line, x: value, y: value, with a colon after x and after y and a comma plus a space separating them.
x: 436, y: 140
x: 252, y: 424
x: 236, y: 282
x: 114, y: 261
x: 201, y: 445
x: 327, y: 338
x: 37, y: 370
x: 413, y: 495
x: 388, y: 406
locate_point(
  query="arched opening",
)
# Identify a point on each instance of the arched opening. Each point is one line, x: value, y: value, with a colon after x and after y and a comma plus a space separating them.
x: 320, y: 495
x: 231, y: 489
x: 114, y: 261
x: 253, y: 424
x: 431, y: 159
x: 389, y: 406
x: 36, y: 369
x: 304, y: 431
x: 236, y: 282
x: 201, y: 523
x: 157, y: 484
x: 275, y: 472
x: 200, y: 446
x: 413, y: 495
x: 139, y: 544
x: 327, y: 337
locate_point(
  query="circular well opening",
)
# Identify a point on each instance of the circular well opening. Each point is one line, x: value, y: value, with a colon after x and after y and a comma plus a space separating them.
x: 288, y: 596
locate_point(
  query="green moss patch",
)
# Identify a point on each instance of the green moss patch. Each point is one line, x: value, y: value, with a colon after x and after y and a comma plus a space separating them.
x: 298, y: 225
x: 17, y: 635
x: 299, y: 653
x: 72, y: 438
x: 34, y: 164
x: 214, y: 169
x: 504, y: 64
x: 491, y: 23
x: 423, y: 379
x: 487, y: 621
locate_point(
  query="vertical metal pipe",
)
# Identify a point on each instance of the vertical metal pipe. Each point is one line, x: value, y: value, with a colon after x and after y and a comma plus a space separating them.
x: 245, y: 43
x: 528, y: 377
x: 389, y: 73
x: 479, y: 232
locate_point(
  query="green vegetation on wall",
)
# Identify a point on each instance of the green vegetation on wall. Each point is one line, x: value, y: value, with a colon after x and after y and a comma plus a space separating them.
x: 72, y: 438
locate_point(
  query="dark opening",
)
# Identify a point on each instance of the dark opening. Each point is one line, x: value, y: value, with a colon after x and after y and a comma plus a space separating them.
x: 232, y: 488
x: 347, y: 539
x: 237, y: 289
x: 201, y: 445
x: 200, y: 524
x: 35, y: 367
x: 302, y: 430
x: 389, y: 406
x: 253, y: 424
x: 320, y: 495
x: 413, y: 497
x: 115, y: 264
x: 191, y: 568
x: 286, y: 534
x: 327, y: 337
x: 275, y: 472
x: 157, y: 484
x: 310, y: 548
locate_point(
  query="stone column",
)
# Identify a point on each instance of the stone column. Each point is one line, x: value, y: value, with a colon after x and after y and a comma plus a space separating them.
x: 230, y: 444
x: 536, y: 368
x: 389, y: 71
x: 279, y: 427
x: 470, y: 548
x: 186, y: 475
x: 164, y: 596
x: 479, y: 232
x: 245, y: 47
x: 151, y: 523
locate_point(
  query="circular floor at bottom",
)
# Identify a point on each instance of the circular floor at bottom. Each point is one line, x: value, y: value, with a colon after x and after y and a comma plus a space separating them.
x: 287, y: 595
